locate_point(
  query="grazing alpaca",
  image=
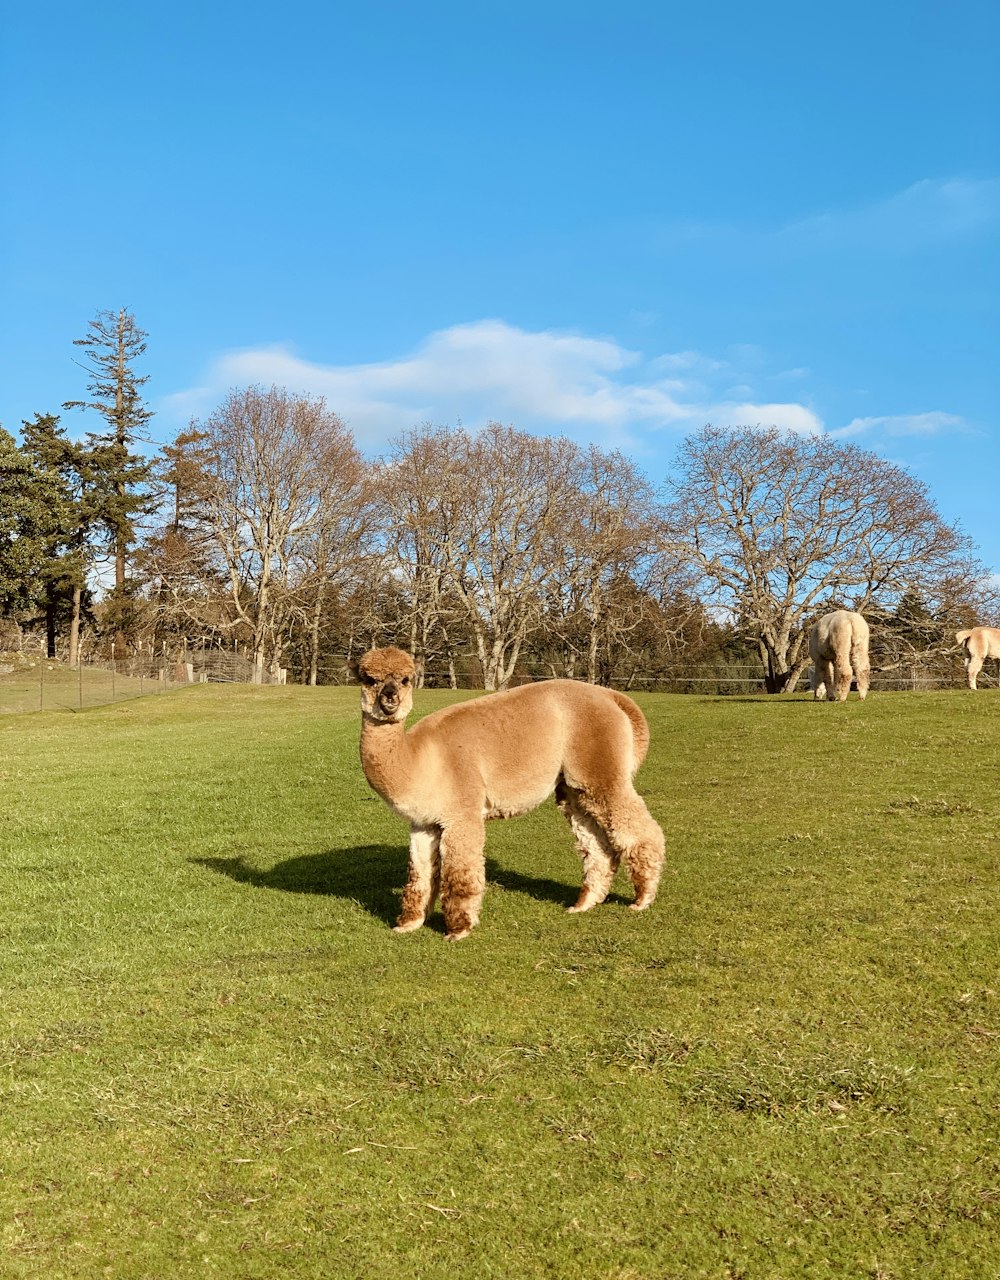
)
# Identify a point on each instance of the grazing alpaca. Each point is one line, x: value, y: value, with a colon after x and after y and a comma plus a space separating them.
x: 979, y: 644
x: 838, y: 646
x: 496, y: 757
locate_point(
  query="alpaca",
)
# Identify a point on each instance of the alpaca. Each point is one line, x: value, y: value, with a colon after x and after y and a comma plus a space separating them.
x: 979, y: 644
x: 496, y: 757
x: 838, y: 646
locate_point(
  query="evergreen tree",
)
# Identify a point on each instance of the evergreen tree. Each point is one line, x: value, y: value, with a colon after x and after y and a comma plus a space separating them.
x: 66, y: 466
x: 175, y: 561
x: 120, y: 475
x: 30, y: 508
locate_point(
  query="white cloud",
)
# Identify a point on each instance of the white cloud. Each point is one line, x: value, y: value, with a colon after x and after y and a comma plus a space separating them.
x: 686, y: 362
x: 907, y: 424
x: 591, y: 388
x: 788, y: 417
x: 644, y: 319
x: 926, y: 211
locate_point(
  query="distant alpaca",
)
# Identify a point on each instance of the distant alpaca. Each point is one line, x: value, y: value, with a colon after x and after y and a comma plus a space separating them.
x: 979, y: 644
x: 838, y: 646
x: 498, y: 756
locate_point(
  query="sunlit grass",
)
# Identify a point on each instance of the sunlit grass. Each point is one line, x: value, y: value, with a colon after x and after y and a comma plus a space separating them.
x: 47, y: 685
x: 218, y: 1059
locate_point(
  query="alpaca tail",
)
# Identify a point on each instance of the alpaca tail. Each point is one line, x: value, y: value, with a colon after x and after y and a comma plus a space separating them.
x: 962, y: 636
x: 640, y: 729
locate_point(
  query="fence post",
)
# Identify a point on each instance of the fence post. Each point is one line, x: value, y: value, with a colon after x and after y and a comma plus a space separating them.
x: 41, y: 685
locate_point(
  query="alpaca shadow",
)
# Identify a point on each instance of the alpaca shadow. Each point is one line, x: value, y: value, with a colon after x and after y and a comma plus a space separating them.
x: 372, y: 876
x: 543, y: 889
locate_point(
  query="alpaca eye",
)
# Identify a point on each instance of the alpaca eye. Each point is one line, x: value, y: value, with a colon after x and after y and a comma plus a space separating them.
x: 368, y: 680
x: 405, y: 680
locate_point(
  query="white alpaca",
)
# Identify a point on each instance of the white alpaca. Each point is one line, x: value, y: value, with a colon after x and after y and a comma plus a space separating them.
x: 838, y: 646
x: 979, y: 644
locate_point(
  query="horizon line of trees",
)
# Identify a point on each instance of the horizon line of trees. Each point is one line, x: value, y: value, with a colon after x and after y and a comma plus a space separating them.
x: 487, y: 554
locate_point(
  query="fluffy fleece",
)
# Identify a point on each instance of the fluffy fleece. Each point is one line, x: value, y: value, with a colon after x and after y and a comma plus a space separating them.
x: 979, y: 644
x: 498, y: 756
x: 838, y: 646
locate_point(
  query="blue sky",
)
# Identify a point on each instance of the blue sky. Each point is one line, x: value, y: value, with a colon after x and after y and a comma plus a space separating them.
x: 614, y: 222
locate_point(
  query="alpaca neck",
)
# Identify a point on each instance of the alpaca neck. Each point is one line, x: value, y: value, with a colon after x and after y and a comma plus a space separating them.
x: 384, y: 754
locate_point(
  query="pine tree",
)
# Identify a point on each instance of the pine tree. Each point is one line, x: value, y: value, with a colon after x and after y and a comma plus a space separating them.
x: 120, y: 486
x: 175, y: 561
x: 30, y: 508
x: 62, y: 578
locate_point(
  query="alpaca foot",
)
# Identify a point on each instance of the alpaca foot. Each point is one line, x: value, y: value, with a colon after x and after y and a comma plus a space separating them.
x: 589, y: 898
x: 641, y: 904
x: 407, y: 926
x: 457, y: 936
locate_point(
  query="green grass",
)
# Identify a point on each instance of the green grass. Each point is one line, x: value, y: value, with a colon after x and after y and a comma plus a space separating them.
x: 217, y: 1059
x: 46, y: 685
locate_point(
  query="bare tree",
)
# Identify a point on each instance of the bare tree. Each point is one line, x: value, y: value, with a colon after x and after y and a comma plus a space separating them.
x: 505, y: 544
x: 275, y: 464
x: 612, y: 542
x: 331, y: 552
x: 775, y: 526
x: 477, y: 526
x: 420, y: 490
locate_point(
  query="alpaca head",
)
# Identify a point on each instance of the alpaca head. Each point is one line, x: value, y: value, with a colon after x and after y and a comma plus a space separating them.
x: 387, y: 677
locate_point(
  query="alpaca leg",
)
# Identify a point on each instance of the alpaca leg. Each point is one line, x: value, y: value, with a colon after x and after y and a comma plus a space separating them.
x: 630, y: 828
x: 973, y: 666
x: 463, y: 877
x: 843, y: 680
x: 645, y: 856
x: 422, y: 884
x: 600, y: 859
x: 863, y: 677
x: 827, y: 680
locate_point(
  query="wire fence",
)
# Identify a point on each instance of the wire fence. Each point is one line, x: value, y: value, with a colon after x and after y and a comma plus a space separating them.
x: 37, y: 683
x: 40, y: 684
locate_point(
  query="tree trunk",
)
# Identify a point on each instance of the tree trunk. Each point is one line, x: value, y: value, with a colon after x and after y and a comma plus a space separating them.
x: 592, y: 653
x: 50, y: 629
x: 595, y: 615
x: 484, y: 661
x: 775, y: 679
x: 74, y: 626
x: 314, y: 639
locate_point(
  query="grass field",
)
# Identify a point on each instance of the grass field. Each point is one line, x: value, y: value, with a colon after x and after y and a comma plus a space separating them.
x: 54, y: 686
x: 217, y: 1059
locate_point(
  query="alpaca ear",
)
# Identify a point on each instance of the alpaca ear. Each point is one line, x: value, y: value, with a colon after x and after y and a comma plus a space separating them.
x: 352, y: 667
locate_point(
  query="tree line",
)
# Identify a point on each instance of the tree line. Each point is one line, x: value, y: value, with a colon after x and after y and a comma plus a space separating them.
x: 492, y: 555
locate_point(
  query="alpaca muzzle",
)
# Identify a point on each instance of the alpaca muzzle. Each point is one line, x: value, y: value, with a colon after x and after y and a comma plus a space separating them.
x: 388, y: 699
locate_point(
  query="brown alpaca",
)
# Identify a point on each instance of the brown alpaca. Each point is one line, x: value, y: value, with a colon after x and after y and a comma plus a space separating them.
x: 838, y: 646
x: 979, y: 644
x: 499, y: 756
